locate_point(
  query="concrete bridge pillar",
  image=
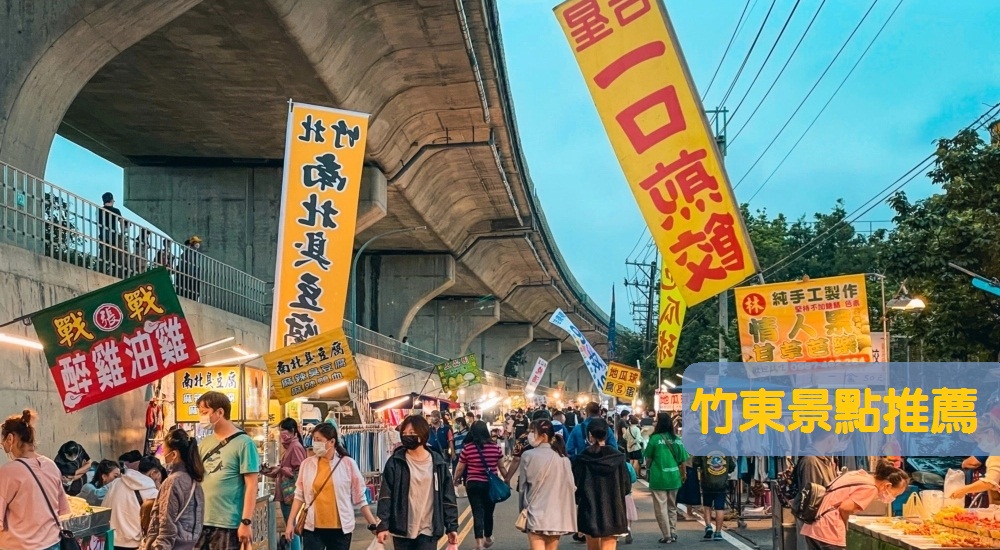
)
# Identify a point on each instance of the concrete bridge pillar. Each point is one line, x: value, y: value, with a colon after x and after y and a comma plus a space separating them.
x: 546, y: 349
x: 51, y: 49
x: 406, y: 284
x: 498, y: 344
x: 448, y: 327
x: 563, y: 366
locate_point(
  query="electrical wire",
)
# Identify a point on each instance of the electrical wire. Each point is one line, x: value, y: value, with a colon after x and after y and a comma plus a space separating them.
x: 808, y: 95
x: 746, y: 58
x: 736, y: 31
x: 827, y: 104
x: 766, y: 59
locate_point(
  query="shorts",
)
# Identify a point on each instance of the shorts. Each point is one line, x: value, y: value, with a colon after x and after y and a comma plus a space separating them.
x: 716, y: 500
x: 635, y: 455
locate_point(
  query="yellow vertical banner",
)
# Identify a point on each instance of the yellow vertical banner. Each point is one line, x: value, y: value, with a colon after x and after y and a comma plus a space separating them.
x: 324, y: 156
x: 671, y: 319
x: 629, y: 56
x: 815, y: 320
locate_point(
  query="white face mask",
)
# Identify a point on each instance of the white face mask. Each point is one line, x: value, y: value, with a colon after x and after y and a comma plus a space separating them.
x: 205, y: 422
x: 532, y: 439
x: 319, y: 448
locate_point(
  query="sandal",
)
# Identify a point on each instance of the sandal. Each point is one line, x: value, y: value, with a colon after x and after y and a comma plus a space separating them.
x: 664, y: 541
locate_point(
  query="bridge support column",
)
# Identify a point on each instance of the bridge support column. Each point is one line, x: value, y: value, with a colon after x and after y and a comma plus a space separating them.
x: 406, y: 284
x: 498, y: 344
x: 546, y: 349
x: 372, y: 205
x: 448, y: 327
x: 563, y: 368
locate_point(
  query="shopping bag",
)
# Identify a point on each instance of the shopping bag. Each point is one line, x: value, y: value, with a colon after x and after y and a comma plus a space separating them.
x: 376, y: 545
x: 914, y: 508
x: 953, y: 480
x: 932, y: 501
x: 451, y: 547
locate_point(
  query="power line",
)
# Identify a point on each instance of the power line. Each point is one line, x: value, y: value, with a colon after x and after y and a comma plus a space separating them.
x: 781, y: 72
x: 820, y: 113
x: 766, y: 59
x: 749, y: 52
x: 808, y: 95
x: 736, y: 30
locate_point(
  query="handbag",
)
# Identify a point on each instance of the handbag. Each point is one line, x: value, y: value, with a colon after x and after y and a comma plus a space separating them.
x: 499, y: 490
x: 66, y: 539
x: 300, y: 518
x: 288, y: 488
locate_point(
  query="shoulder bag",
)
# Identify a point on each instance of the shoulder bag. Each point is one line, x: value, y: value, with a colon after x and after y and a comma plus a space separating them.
x: 300, y: 518
x: 66, y: 539
x: 499, y: 490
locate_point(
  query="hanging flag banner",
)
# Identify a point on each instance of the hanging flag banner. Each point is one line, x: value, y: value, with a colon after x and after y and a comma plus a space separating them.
x: 324, y: 154
x: 460, y: 372
x: 536, y: 376
x: 308, y: 367
x: 671, y: 320
x: 239, y: 383
x: 669, y: 402
x: 642, y: 88
x: 595, y: 365
x: 623, y: 381
x: 115, y: 339
x: 813, y: 320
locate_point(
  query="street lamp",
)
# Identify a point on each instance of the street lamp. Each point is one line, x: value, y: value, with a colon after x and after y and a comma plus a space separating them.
x: 353, y: 274
x: 885, y: 318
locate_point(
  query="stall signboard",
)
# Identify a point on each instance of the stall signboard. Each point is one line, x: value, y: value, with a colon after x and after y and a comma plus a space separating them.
x: 460, y: 372
x: 324, y: 154
x: 536, y: 376
x: 671, y: 320
x: 813, y: 320
x: 309, y: 366
x: 116, y: 339
x: 640, y: 83
x: 595, y: 365
x: 241, y: 386
x: 669, y: 402
x: 623, y: 381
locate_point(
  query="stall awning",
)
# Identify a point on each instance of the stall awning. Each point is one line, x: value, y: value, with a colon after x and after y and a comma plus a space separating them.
x: 407, y: 401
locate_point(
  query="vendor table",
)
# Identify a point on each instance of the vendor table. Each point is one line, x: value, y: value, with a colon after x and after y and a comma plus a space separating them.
x: 865, y: 534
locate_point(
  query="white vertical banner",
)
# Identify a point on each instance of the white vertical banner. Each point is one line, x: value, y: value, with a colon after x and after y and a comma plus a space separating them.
x: 878, y: 348
x: 536, y: 376
x: 597, y: 367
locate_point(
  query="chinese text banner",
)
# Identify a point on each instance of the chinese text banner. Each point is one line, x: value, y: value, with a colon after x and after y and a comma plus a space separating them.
x: 309, y: 366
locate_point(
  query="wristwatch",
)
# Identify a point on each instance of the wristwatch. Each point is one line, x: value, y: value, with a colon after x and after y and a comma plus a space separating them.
x: 246, y: 522
x: 372, y: 527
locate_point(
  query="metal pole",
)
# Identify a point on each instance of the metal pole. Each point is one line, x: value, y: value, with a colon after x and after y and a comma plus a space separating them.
x: 885, y: 325
x: 352, y: 276
x: 650, y: 331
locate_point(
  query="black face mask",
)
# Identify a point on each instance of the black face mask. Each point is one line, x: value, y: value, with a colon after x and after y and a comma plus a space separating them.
x: 410, y: 441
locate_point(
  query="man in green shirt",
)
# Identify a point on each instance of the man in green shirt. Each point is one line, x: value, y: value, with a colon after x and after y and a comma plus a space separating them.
x: 665, y: 455
x: 231, y: 474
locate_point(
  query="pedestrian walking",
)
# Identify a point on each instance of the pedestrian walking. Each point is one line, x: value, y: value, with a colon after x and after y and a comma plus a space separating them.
x: 442, y: 438
x: 713, y: 471
x: 545, y: 481
x: 188, y: 283
x: 461, y: 433
x: 666, y: 459
x: 111, y: 227
x: 231, y: 476
x: 480, y: 456
x: 286, y: 474
x: 178, y: 515
x: 329, y: 487
x: 634, y: 442
x: 126, y: 498
x: 602, y: 482
x: 577, y: 441
x: 95, y: 490
x: 417, y: 503
x: 31, y: 490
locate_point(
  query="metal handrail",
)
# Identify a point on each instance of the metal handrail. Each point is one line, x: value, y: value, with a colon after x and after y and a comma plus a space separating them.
x: 51, y: 221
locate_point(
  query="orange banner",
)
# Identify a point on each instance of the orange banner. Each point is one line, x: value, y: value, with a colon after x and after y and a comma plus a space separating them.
x: 629, y: 56
x: 324, y: 155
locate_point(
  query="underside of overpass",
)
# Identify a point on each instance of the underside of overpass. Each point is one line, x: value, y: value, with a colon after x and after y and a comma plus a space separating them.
x: 190, y: 97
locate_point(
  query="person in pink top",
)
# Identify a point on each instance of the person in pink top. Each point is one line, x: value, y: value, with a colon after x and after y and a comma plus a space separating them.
x: 848, y: 495
x: 287, y: 472
x: 31, y: 490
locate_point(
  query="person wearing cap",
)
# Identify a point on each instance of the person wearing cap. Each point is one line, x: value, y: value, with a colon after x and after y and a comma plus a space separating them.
x: 188, y: 285
x: 110, y: 222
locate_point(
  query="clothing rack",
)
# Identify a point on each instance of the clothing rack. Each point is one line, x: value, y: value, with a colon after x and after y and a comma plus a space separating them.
x: 369, y: 444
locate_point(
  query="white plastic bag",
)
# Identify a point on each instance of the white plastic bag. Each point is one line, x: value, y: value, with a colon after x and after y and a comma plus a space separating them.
x: 953, y: 480
x: 932, y: 501
x: 376, y: 545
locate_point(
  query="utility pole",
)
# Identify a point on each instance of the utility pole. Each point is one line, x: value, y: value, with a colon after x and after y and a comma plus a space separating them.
x: 644, y: 313
x: 720, y: 120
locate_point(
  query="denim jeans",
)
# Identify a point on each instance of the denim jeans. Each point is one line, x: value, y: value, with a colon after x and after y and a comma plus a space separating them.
x: 296, y: 542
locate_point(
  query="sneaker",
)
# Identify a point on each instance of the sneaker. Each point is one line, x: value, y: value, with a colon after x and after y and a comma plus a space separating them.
x: 708, y: 532
x: 489, y: 542
x: 718, y: 536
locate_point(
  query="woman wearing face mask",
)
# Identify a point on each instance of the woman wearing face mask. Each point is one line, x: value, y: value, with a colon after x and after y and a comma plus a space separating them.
x: 74, y: 463
x: 176, y: 520
x: 287, y: 472
x: 479, y: 456
x: 31, y: 490
x: 545, y: 481
x: 417, y: 504
x: 95, y: 491
x: 847, y: 495
x: 330, y: 485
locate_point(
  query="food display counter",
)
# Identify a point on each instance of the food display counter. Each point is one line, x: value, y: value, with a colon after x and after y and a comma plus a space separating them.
x: 971, y: 530
x: 91, y: 526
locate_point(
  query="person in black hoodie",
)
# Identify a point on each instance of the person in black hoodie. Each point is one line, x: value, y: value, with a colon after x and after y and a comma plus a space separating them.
x: 417, y: 503
x: 602, y: 481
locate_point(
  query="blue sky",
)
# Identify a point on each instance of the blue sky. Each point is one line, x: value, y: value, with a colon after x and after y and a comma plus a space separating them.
x: 928, y: 75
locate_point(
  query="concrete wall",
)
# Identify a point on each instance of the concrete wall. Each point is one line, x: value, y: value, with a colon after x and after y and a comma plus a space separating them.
x: 30, y: 282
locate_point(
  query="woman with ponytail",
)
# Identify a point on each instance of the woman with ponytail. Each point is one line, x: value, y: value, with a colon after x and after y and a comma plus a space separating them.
x: 545, y: 481
x: 848, y: 495
x: 176, y: 521
x: 286, y: 474
x: 31, y: 490
x: 330, y: 485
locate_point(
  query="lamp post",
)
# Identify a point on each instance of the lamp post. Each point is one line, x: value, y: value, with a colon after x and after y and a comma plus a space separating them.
x: 353, y: 276
x: 885, y: 318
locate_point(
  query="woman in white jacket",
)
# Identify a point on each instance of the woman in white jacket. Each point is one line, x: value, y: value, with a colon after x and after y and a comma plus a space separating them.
x: 330, y: 485
x: 545, y: 480
x: 125, y: 497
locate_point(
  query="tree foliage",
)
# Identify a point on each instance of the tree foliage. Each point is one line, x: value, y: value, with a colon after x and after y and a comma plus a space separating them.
x: 513, y: 367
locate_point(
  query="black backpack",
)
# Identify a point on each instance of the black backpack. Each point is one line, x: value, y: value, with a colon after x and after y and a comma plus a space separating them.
x: 808, y: 501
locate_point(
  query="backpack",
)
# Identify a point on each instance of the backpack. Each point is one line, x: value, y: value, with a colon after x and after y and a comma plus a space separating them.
x: 808, y: 501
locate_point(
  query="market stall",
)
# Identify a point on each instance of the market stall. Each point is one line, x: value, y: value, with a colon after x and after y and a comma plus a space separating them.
x: 949, y: 528
x: 91, y: 526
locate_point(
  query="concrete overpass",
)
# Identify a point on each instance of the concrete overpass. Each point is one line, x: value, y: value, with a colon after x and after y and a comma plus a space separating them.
x: 190, y: 98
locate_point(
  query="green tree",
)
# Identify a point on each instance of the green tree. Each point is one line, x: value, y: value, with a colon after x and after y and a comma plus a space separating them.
x: 513, y: 368
x: 960, y: 225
